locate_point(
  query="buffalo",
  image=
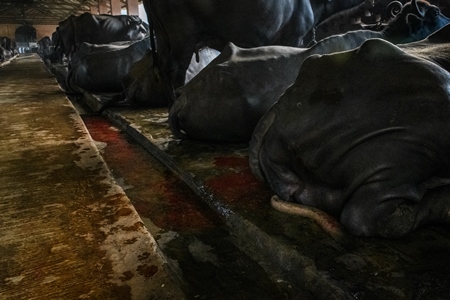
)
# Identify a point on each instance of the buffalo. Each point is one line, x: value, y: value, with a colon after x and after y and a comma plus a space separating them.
x: 44, y: 47
x: 362, y: 136
x: 142, y: 89
x: 182, y: 26
x: 102, y: 70
x: 98, y: 29
x: 241, y: 84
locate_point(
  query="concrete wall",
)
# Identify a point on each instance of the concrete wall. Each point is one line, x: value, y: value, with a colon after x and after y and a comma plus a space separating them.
x: 44, y: 30
x: 8, y: 30
x: 41, y: 30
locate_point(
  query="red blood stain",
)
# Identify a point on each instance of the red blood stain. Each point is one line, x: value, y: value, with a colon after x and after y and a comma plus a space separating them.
x: 176, y: 208
x: 231, y: 161
x: 239, y: 188
x: 156, y: 194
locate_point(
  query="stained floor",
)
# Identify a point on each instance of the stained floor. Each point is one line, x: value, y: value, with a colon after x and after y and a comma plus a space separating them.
x: 212, y: 214
x: 68, y: 230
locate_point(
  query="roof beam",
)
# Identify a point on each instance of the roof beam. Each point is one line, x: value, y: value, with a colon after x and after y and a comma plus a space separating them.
x: 54, y: 11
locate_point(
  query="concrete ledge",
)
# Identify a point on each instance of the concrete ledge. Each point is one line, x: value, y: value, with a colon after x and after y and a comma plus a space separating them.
x: 2, y: 64
x: 68, y: 230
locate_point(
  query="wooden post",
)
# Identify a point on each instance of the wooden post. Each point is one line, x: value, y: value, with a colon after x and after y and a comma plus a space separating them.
x: 115, y: 7
x: 102, y: 7
x: 132, y: 7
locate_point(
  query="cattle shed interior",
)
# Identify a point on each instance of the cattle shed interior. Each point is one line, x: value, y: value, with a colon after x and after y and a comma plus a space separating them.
x: 41, y: 17
x: 101, y: 199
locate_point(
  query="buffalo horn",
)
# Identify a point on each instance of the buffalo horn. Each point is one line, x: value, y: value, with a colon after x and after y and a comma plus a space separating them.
x: 416, y: 9
x: 394, y: 8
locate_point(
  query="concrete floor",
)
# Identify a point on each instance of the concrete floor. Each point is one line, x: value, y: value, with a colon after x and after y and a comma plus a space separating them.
x: 68, y: 231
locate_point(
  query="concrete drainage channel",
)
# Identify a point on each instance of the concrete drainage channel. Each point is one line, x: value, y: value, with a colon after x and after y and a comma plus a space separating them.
x: 259, y: 265
x: 291, y: 257
x: 194, y: 240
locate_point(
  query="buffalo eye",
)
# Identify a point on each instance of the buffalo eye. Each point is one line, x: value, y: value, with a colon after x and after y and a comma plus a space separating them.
x: 433, y: 12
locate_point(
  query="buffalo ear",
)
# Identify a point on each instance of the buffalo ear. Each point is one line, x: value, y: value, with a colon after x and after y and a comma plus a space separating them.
x: 414, y: 23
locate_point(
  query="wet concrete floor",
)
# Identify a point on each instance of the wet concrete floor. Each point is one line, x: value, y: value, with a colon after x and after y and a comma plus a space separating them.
x: 294, y: 252
x: 193, y: 238
x: 68, y: 230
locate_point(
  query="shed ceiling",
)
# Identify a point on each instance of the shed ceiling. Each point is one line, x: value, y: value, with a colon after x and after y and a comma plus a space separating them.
x: 43, y: 12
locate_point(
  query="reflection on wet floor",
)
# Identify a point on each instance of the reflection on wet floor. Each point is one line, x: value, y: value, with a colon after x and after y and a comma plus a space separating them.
x: 193, y: 238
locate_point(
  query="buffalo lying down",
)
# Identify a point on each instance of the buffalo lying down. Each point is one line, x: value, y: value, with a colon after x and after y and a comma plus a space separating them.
x: 142, y: 89
x: 363, y: 136
x: 241, y: 84
x: 101, y: 69
x: 180, y: 26
x: 97, y: 29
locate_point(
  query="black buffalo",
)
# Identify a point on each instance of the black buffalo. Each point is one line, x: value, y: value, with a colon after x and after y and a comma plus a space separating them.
x: 56, y: 55
x: 142, y: 89
x: 415, y: 21
x: 364, y: 17
x: 361, y: 135
x: 181, y: 26
x: 44, y: 47
x: 341, y: 22
x: 435, y: 48
x: 7, y: 48
x: 225, y: 101
x: 98, y: 29
x: 102, y: 70
x: 241, y: 84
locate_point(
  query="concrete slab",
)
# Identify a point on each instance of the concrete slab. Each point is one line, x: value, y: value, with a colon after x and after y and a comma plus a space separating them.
x: 7, y: 62
x: 68, y: 231
x: 294, y: 250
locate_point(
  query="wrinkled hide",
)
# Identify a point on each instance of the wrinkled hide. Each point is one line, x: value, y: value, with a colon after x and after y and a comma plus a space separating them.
x: 226, y: 99
x: 376, y: 19
x: 341, y: 22
x: 140, y: 86
x: 435, y: 48
x: 98, y: 29
x: 102, y: 71
x: 361, y: 143
x: 242, y: 84
x: 143, y: 90
x: 408, y: 26
x: 180, y: 26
